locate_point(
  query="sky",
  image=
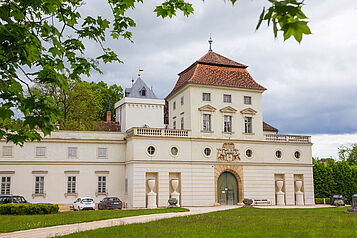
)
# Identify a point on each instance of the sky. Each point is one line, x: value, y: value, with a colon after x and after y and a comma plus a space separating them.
x: 312, y: 86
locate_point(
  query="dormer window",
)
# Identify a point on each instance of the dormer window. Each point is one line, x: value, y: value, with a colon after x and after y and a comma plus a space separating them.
x: 142, y: 92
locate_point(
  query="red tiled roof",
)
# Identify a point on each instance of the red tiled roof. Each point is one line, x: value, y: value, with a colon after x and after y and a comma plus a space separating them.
x: 215, y: 69
x: 267, y: 127
x: 217, y: 59
x: 108, y: 126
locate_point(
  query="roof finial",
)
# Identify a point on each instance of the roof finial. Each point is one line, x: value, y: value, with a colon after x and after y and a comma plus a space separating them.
x: 210, y: 42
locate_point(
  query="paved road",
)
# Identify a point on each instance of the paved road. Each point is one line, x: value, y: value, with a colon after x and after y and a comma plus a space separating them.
x: 72, y: 228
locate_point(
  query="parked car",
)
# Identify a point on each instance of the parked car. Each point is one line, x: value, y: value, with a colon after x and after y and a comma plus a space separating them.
x: 12, y: 199
x: 337, y: 197
x: 110, y: 203
x: 84, y: 203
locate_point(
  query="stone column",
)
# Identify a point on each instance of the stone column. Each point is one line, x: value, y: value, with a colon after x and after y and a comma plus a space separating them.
x: 280, y: 198
x: 151, y: 195
x: 299, y: 195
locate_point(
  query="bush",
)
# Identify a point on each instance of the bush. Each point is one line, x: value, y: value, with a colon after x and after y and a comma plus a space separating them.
x: 28, y: 208
x: 321, y: 200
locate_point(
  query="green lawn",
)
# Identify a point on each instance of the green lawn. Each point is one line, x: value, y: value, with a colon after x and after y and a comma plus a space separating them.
x: 10, y: 223
x: 243, y: 222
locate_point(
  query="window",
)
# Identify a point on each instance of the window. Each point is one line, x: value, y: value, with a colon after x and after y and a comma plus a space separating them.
x: 207, y: 151
x: 102, y: 184
x: 249, y: 153
x: 227, y: 123
x: 206, y: 122
x: 297, y: 155
x: 151, y: 150
x: 174, y: 125
x: 126, y: 185
x: 278, y: 154
x: 182, y: 100
x: 247, y: 100
x: 72, y: 152
x: 174, y: 151
x: 39, y: 184
x: 182, y: 123
x: 7, y: 151
x: 142, y: 92
x: 206, y: 97
x: 174, y: 105
x: 248, y: 125
x: 71, y: 184
x: 102, y: 153
x: 227, y: 98
x: 5, y: 185
x: 40, y: 151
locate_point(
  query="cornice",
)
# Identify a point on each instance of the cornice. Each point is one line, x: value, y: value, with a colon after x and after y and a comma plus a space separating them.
x: 218, y: 140
x: 218, y: 163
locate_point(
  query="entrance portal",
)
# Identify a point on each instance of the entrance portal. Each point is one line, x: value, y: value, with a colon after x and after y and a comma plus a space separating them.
x: 227, y: 189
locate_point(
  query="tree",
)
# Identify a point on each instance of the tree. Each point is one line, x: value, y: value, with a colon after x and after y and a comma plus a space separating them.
x: 42, y: 42
x: 111, y: 94
x: 348, y: 153
x: 82, y: 104
x: 331, y: 177
x: 79, y: 106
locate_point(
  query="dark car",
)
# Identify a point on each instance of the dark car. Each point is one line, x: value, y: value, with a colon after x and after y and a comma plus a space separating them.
x: 337, y: 197
x: 12, y: 199
x: 110, y: 203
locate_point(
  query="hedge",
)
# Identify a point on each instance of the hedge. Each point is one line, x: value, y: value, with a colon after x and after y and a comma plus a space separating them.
x: 331, y: 177
x: 321, y: 200
x: 28, y: 208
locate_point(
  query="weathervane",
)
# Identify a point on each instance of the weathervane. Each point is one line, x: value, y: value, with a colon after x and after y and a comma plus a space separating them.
x: 210, y: 42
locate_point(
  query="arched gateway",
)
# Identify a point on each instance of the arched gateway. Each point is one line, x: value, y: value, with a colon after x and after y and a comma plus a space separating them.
x: 227, y: 189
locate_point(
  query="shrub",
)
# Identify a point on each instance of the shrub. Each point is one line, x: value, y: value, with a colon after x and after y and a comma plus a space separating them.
x: 321, y: 200
x: 28, y: 208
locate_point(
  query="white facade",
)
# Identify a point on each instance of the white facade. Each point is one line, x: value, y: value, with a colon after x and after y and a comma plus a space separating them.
x: 69, y: 164
x: 130, y: 113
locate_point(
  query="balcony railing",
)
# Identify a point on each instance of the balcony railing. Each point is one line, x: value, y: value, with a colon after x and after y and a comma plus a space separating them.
x: 142, y: 131
x: 288, y: 138
x: 157, y: 132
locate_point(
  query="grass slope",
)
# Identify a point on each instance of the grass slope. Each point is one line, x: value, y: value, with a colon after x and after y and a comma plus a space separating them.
x: 242, y: 222
x: 10, y: 223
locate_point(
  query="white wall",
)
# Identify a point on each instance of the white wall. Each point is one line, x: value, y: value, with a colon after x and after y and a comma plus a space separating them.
x: 55, y: 166
x: 263, y: 186
x: 138, y: 112
x: 197, y: 184
x: 55, y: 178
x: 193, y: 116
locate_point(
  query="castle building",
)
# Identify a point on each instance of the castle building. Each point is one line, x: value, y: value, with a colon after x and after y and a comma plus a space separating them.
x: 215, y: 149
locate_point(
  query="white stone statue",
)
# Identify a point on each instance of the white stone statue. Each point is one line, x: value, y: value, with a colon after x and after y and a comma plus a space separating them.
x: 280, y: 198
x: 175, y: 194
x: 151, y: 194
x: 299, y: 195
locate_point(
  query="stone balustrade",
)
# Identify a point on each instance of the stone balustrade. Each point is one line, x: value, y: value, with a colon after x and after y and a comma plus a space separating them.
x: 288, y: 138
x: 157, y: 132
x: 143, y: 131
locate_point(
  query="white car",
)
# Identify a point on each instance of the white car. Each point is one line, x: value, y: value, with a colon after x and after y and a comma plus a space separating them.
x: 84, y: 203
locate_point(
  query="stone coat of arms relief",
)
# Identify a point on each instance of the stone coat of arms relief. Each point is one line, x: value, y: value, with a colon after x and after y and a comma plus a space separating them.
x: 228, y: 153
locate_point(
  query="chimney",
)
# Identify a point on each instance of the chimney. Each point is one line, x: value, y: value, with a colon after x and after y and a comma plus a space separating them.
x: 109, y: 116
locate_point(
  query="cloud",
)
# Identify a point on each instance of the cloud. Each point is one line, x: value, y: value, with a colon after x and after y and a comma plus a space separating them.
x: 326, y: 146
x: 312, y: 86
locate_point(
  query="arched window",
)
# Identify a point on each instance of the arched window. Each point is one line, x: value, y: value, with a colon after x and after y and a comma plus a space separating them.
x: 142, y: 92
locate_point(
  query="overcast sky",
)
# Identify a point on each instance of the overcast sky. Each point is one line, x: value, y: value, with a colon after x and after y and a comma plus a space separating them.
x: 312, y: 86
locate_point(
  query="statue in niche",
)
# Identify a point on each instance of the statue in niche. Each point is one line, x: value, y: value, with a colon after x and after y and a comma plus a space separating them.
x: 228, y: 153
